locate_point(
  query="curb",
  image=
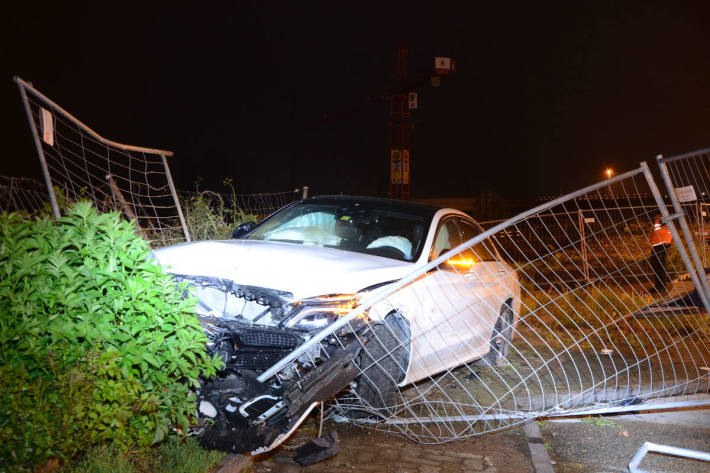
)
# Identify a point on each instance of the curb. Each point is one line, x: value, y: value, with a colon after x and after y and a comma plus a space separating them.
x: 232, y: 463
x: 538, y: 451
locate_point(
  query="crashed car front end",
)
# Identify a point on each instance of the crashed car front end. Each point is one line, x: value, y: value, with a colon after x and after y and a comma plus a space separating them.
x: 264, y: 296
x: 250, y: 329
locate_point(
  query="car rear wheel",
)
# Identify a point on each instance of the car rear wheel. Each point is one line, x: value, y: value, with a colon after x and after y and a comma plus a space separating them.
x: 383, y: 363
x: 501, y: 337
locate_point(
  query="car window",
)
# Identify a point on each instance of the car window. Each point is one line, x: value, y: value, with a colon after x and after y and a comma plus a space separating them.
x: 447, y: 237
x: 351, y: 226
x: 481, y: 251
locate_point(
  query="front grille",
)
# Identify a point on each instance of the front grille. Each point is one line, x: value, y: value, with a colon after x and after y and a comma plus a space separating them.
x: 257, y: 359
x: 266, y: 338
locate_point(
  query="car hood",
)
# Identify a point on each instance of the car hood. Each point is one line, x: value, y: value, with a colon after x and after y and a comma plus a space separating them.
x: 305, y: 271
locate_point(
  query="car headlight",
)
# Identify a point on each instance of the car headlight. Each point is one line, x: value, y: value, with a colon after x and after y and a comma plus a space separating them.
x: 319, y: 312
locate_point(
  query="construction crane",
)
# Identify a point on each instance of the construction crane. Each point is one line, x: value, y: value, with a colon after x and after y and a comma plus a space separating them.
x: 404, y: 99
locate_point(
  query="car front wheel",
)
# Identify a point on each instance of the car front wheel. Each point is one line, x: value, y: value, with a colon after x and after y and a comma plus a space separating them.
x: 501, y: 337
x: 383, y: 363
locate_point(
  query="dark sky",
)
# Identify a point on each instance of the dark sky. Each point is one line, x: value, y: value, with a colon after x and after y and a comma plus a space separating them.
x: 278, y: 95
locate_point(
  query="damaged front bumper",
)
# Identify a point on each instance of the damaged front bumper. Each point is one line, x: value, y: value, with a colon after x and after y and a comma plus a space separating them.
x: 250, y: 329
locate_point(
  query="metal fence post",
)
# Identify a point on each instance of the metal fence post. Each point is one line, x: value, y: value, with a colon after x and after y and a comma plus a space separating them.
x: 175, y: 197
x: 676, y: 236
x: 40, y: 152
x: 698, y: 266
x: 703, y: 215
x: 583, y: 243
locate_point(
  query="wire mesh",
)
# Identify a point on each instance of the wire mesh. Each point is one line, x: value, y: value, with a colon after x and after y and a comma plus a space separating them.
x: 215, y: 215
x: 588, y: 217
x: 131, y: 180
x: 22, y: 194
x: 500, y: 327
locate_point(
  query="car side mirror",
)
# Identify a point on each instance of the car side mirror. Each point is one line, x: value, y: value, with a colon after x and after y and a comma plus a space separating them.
x: 243, y: 229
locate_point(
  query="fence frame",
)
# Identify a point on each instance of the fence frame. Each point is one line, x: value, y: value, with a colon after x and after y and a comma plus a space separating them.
x: 26, y: 87
x: 699, y: 270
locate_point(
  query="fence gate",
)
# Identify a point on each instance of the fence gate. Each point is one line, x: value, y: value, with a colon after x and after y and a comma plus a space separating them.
x: 79, y: 163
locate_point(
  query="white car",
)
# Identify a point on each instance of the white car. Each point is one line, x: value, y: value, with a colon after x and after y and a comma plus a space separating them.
x: 279, y: 282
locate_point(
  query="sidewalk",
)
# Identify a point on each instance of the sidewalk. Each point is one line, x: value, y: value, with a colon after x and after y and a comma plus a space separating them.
x: 607, y: 444
x: 372, y: 451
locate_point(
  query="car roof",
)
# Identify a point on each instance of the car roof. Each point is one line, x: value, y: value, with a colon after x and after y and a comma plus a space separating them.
x: 424, y: 210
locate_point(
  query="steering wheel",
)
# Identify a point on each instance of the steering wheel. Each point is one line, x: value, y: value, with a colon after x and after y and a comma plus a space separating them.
x: 388, y: 252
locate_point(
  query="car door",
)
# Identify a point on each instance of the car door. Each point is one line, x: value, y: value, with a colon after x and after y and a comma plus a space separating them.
x: 442, y: 320
x: 483, y: 285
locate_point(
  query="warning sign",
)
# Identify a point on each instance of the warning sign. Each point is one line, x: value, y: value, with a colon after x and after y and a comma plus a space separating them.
x: 413, y: 101
x: 399, y: 166
x: 686, y: 194
x: 47, y: 127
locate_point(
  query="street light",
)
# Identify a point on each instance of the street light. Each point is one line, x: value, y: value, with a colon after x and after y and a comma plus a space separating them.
x: 609, y: 172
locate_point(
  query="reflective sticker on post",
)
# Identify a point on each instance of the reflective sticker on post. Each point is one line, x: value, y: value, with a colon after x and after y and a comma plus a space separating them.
x: 47, y: 127
x: 685, y: 194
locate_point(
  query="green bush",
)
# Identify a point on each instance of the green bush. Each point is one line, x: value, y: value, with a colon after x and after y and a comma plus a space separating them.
x: 96, y: 343
x: 173, y: 456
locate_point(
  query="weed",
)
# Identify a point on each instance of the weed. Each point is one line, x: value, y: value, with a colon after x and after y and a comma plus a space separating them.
x: 209, y: 216
x: 600, y: 422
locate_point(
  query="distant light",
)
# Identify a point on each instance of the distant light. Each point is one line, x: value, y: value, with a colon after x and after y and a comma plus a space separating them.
x: 609, y: 172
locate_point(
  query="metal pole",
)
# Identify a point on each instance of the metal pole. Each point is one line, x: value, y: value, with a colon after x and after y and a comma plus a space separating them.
x: 583, y: 243
x: 73, y: 119
x: 512, y: 415
x: 124, y: 205
x: 679, y: 244
x: 698, y: 266
x: 40, y: 152
x: 701, y: 230
x: 666, y: 450
x: 175, y: 197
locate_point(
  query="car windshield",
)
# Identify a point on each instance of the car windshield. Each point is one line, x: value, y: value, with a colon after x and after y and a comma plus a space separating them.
x: 362, y: 227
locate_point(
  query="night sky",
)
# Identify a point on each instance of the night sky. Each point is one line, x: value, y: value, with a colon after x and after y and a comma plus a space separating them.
x: 276, y: 95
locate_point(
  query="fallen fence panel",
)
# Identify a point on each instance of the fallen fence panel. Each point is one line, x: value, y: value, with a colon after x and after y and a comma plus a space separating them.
x: 492, y: 333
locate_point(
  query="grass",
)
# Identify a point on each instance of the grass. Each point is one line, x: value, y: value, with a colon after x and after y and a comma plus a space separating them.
x: 172, y: 456
x: 600, y: 422
x: 595, y: 319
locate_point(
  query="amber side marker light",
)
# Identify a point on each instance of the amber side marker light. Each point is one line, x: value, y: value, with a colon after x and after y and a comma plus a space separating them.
x: 462, y: 262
